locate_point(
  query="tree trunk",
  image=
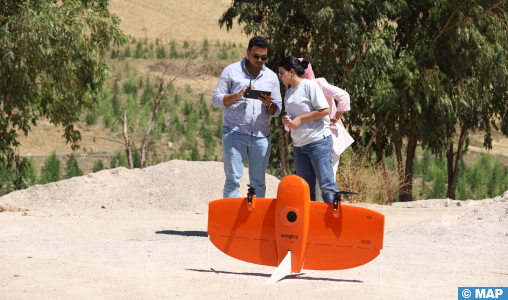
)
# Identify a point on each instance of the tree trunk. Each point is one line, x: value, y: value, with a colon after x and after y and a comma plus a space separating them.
x: 379, y: 149
x: 128, y: 151
x: 452, y: 182
x: 449, y: 160
x: 411, y: 149
x: 149, y: 128
x: 400, y: 161
x: 283, y: 144
x: 374, y: 134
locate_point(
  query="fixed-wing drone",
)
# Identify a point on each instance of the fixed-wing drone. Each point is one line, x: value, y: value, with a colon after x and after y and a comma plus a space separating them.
x: 292, y: 233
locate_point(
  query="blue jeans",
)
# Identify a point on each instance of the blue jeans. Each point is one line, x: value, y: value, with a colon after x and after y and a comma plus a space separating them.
x: 313, y: 161
x: 236, y: 148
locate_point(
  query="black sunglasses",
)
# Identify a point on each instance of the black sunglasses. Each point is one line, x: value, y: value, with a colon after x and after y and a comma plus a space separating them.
x: 257, y: 57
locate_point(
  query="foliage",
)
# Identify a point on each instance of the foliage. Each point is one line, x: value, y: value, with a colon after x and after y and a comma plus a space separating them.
x: 72, y: 169
x: 119, y: 161
x: 373, y: 182
x: 409, y: 65
x: 50, y: 172
x: 51, y: 65
x: 98, y: 165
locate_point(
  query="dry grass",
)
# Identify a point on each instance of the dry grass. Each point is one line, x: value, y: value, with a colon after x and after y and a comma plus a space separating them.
x: 374, y: 183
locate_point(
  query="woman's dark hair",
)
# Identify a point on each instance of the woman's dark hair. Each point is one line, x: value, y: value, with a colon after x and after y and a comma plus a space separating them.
x: 258, y: 41
x: 294, y: 63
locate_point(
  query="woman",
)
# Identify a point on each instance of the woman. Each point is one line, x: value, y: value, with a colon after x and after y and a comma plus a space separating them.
x: 341, y: 138
x: 309, y: 121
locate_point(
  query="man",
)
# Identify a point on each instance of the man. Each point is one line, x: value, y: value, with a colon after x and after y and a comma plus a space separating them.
x: 246, y: 130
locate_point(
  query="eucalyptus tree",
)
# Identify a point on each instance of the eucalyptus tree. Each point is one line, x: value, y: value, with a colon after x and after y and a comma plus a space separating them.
x: 456, y: 74
x: 50, y: 65
x: 327, y: 32
x: 412, y: 68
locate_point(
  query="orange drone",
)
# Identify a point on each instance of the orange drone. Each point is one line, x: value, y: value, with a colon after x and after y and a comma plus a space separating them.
x: 293, y: 233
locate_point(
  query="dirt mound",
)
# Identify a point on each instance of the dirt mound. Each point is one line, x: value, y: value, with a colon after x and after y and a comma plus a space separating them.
x: 175, y: 185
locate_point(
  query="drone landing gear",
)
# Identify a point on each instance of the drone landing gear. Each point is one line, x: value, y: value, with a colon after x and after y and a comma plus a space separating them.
x: 284, y: 269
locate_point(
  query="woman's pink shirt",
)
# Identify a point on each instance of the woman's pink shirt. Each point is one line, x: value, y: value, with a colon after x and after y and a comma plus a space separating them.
x: 341, y: 138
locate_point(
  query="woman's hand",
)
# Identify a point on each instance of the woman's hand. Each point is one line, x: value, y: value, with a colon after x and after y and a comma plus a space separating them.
x: 295, y: 123
x: 286, y: 120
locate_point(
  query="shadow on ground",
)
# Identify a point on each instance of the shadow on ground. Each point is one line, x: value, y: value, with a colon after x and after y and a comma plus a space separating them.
x: 296, y: 276
x: 183, y: 233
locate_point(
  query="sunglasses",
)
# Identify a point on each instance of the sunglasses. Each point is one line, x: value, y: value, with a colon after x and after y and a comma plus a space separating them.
x: 257, y: 57
x: 281, y: 73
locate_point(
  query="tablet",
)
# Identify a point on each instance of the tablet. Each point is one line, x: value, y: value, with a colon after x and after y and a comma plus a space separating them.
x: 254, y: 94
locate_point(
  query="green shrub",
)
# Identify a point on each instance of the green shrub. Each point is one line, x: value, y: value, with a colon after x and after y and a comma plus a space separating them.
x: 132, y: 110
x: 114, y: 54
x: 129, y: 87
x: 218, y: 130
x: 108, y: 119
x: 188, y: 88
x: 72, y: 169
x: 205, y: 44
x: 173, y: 51
x: 222, y: 54
x: 186, y: 44
x: 161, y: 52
x: 177, y: 98
x: 136, y: 157
x: 192, y: 120
x: 127, y: 52
x: 461, y: 192
x: 119, y: 161
x: 187, y: 107
x: 148, y: 95
x: 439, y: 188
x: 478, y: 173
x: 115, y: 103
x: 91, y: 118
x: 50, y: 172
x: 98, y: 165
x: 138, y: 54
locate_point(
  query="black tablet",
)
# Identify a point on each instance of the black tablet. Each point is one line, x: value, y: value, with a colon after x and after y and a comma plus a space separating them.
x: 254, y: 94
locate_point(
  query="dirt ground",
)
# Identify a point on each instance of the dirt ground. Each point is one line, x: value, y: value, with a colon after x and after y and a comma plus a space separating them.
x: 150, y: 242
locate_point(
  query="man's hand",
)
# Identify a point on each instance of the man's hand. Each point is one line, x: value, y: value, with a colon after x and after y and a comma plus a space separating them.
x: 266, y: 99
x: 245, y: 89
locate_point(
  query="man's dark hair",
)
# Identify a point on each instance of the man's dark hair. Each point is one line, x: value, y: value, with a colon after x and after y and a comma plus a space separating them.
x: 258, y: 41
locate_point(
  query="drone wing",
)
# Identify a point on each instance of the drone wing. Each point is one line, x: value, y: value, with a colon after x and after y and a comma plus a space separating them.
x: 352, y: 239
x: 244, y: 234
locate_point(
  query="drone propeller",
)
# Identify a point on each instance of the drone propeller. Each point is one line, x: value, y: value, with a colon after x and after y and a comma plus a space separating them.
x: 251, y: 192
x: 337, y: 197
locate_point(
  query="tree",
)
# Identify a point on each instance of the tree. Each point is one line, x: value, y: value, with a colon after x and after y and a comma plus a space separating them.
x: 98, y: 165
x: 72, y: 169
x: 414, y: 68
x: 50, y: 172
x: 163, y: 85
x: 50, y: 65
